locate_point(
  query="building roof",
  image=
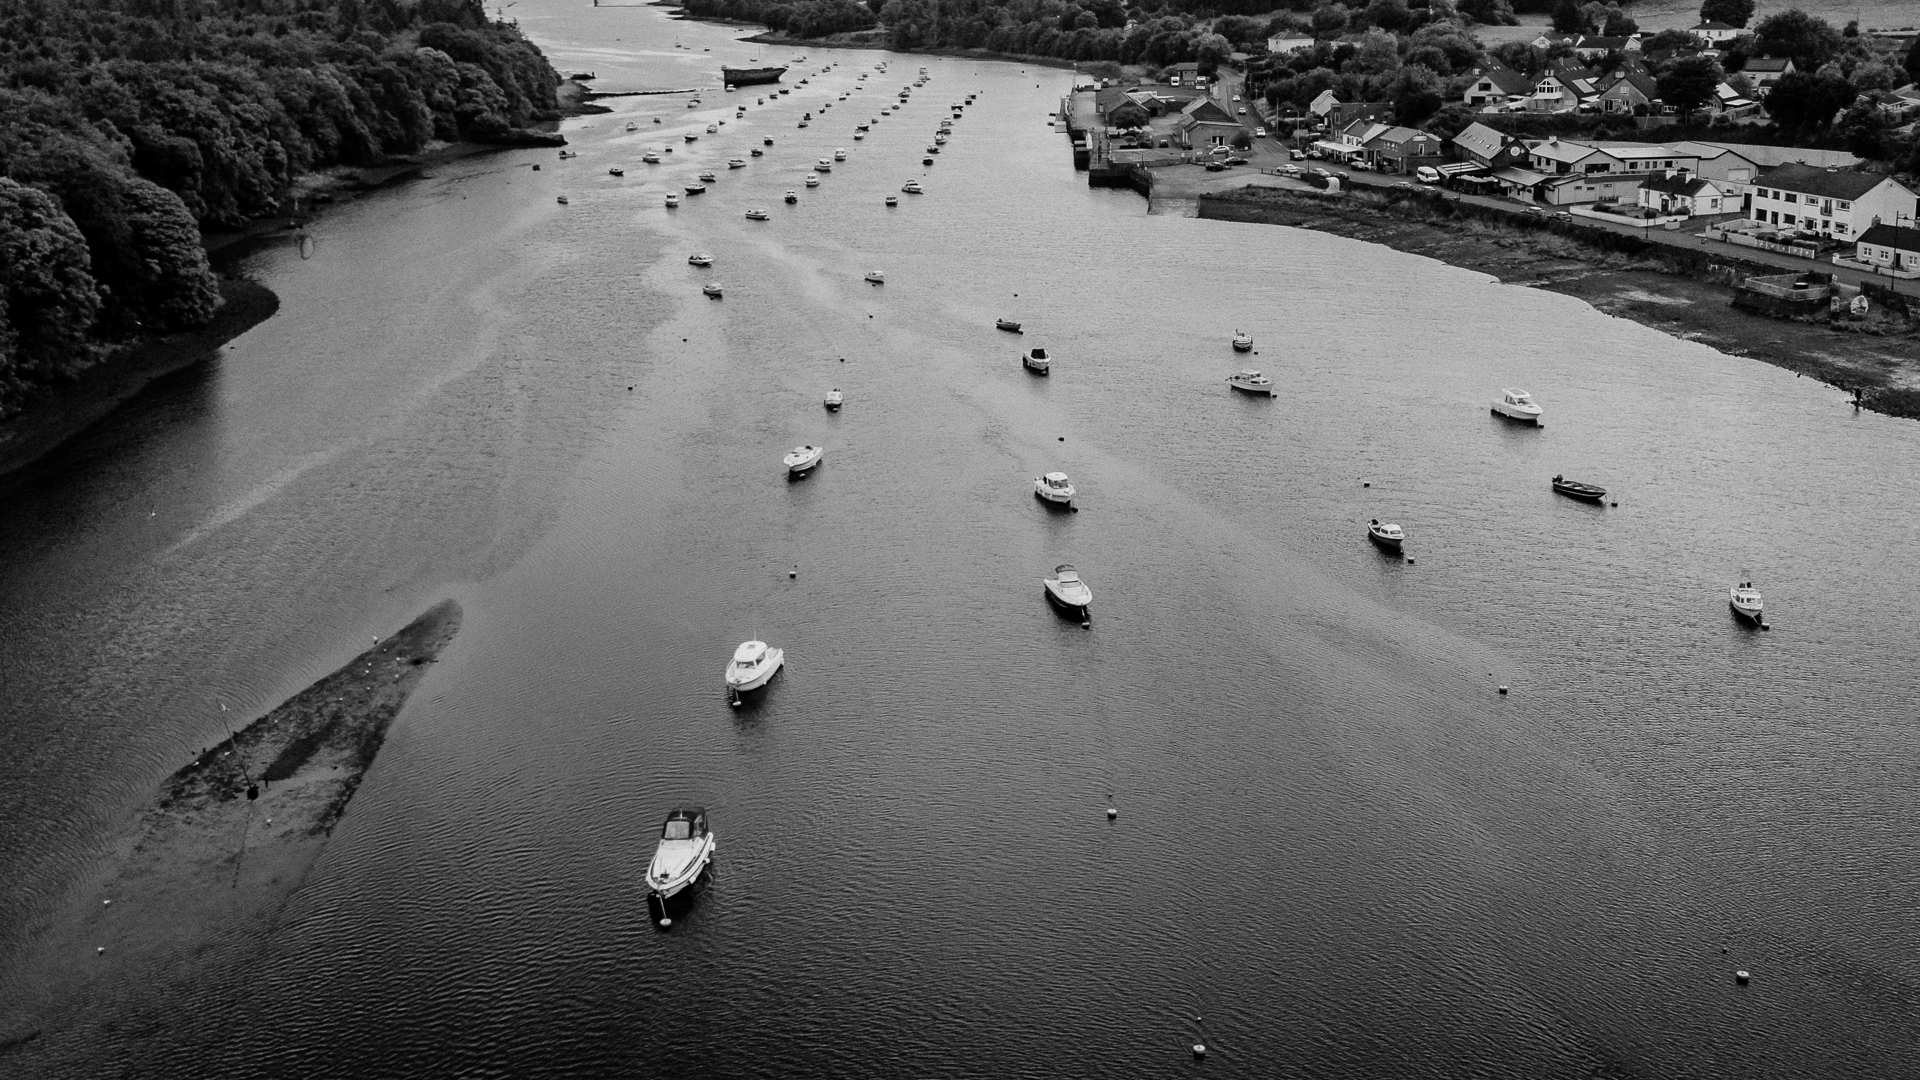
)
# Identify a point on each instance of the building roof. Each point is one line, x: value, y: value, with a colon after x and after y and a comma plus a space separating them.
x: 1206, y: 111
x: 1364, y: 131
x: 1506, y: 80
x: 1826, y: 183
x: 1111, y: 96
x: 1708, y: 151
x: 1713, y: 26
x: 1905, y: 238
x: 1678, y: 183
x: 1562, y: 150
x: 1638, y: 80
x: 1640, y: 151
x: 1480, y: 139
x: 1611, y: 44
x: 1396, y: 136
x: 1767, y: 65
x: 1186, y: 66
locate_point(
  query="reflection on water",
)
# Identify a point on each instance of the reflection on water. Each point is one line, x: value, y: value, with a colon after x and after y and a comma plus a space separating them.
x: 1337, y: 845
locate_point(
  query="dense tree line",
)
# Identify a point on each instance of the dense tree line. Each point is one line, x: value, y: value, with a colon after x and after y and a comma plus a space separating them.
x: 125, y: 125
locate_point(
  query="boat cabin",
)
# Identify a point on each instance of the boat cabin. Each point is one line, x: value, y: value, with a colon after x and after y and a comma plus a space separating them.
x: 1516, y: 397
x: 751, y: 653
x: 685, y: 823
x: 1056, y: 480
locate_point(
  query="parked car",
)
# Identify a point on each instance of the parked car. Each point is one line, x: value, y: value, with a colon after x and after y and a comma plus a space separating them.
x: 1259, y: 133
x: 1296, y: 155
x: 1236, y: 97
x: 1536, y: 211
x: 1215, y: 166
x: 1290, y: 170
x: 1323, y: 172
x: 1360, y: 166
x: 1427, y: 174
x: 1564, y: 215
x: 1163, y: 144
x: 1243, y: 110
x: 1236, y: 160
x: 1404, y: 186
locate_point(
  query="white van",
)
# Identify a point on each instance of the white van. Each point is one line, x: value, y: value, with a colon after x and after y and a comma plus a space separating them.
x: 1427, y: 174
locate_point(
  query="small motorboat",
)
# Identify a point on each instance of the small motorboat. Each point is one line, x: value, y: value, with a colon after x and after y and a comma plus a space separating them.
x: 939, y: 141
x: 562, y: 200
x: 700, y: 259
x: 712, y: 128
x: 672, y: 199
x: 1517, y: 405
x: 1036, y: 360
x: 1008, y: 325
x: 1745, y: 600
x: 690, y: 137
x: 933, y: 149
x: 912, y: 187
x: 833, y: 400
x: 1242, y: 341
x: 1386, y: 534
x: 823, y: 165
x: 753, y: 663
x: 616, y: 172
x: 840, y: 154
x: 802, y: 458
x: 1054, y: 487
x: 736, y: 163
x: 792, y: 197
x: 806, y: 116
x: 1578, y: 490
x: 631, y: 126
x: 857, y: 136
x: 695, y: 189
x: 1066, y: 589
x: 875, y: 277
x: 712, y: 288
x: 768, y: 141
x: 694, y: 104
x: 926, y: 161
x: 1251, y: 381
x: 802, y: 123
x: 813, y: 180
x: 756, y: 214
x: 757, y: 152
x: 565, y: 154
x: 686, y: 847
x: 650, y: 158
x: 893, y: 200
x: 708, y: 177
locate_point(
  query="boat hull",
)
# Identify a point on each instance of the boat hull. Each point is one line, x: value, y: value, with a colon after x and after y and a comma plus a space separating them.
x: 1507, y: 412
x: 757, y: 679
x: 750, y: 76
x: 1391, y: 543
x: 1243, y: 346
x: 1077, y: 602
x: 1584, y: 492
x: 681, y: 878
x: 1251, y: 388
x: 1053, y: 495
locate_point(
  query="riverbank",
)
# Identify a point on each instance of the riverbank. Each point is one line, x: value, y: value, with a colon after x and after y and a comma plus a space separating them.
x: 875, y: 39
x: 1879, y: 355
x: 207, y: 868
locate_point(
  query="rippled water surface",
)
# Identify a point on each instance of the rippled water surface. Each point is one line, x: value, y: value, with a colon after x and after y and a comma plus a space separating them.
x: 1338, y: 847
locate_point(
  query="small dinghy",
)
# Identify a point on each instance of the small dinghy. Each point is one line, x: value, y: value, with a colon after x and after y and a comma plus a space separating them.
x: 686, y: 847
x: 711, y: 128
x: 875, y: 277
x: 792, y: 197
x: 893, y: 200
x: 833, y: 400
x: 700, y: 259
x: 616, y: 172
x: 1745, y: 601
x: 631, y: 126
x: 1242, y: 341
x: 1517, y: 405
x: 753, y: 663
x: 1386, y: 534
x: 672, y: 199
x: 712, y: 288
x: 1576, y: 489
x: 1066, y: 589
x: 803, y: 123
x: 1008, y: 325
x: 1037, y: 360
x: 1251, y: 381
x: 813, y: 180
x: 756, y: 214
x: 802, y: 458
x: 695, y: 189
x: 1054, y: 487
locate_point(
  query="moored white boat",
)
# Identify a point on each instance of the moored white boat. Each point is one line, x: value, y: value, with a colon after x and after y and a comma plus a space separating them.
x: 1578, y: 490
x: 650, y: 157
x: 695, y: 189
x: 840, y: 154
x: 1037, y: 360
x: 631, y: 126
x: 756, y: 214
x: 686, y: 847
x: 1007, y: 325
x: 893, y: 200
x: 1242, y: 341
x: 1517, y: 405
x: 712, y: 288
x: 823, y: 165
x: 1067, y: 589
x: 1385, y: 534
x: 813, y: 180
x: 672, y: 199
x: 753, y: 663
x: 708, y: 177
x: 1746, y: 602
x: 834, y: 400
x: 1054, y: 487
x: 803, y: 458
x: 700, y: 258
x: 1251, y: 381
x: 875, y: 277
x: 736, y: 163
x: 912, y: 187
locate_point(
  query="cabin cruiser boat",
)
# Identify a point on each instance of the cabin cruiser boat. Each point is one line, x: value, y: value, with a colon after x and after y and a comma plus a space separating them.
x: 875, y: 277
x: 712, y: 288
x: 1066, y: 589
x: 712, y: 128
x: 933, y: 149
x: 616, y: 172
x: 756, y: 214
x: 840, y: 154
x: 939, y: 140
x: 1251, y: 381
x: 1385, y: 534
x: 650, y: 158
x: 893, y: 200
x: 690, y: 137
x: 707, y: 177
x: 753, y: 663
x: 757, y: 152
x: 823, y: 165
x: 858, y: 135
x: 803, y: 458
x: 912, y: 187
x: 834, y: 400
x: 672, y: 199
x: 1036, y: 360
x: 802, y: 123
x: 562, y: 200
x: 1745, y: 600
x: 736, y: 163
x: 1242, y: 341
x: 1008, y: 325
x: 768, y: 141
x: 686, y: 847
x: 694, y: 104
x: 793, y: 196
x: 1578, y: 490
x: 1517, y: 405
x: 1055, y: 488
x: 926, y: 161
x: 695, y: 189
x: 813, y: 180
x: 700, y: 259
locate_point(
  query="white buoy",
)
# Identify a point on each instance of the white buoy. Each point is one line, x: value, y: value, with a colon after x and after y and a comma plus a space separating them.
x: 665, y: 922
x: 100, y: 950
x: 1111, y: 814
x: 1199, y: 1050
x: 1741, y: 977
x: 106, y: 903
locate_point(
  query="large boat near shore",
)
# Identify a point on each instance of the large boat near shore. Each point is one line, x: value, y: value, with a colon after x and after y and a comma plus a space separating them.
x: 752, y: 76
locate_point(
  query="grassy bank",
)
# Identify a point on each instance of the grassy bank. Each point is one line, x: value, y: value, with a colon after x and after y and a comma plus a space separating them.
x: 1669, y: 289
x: 204, y: 871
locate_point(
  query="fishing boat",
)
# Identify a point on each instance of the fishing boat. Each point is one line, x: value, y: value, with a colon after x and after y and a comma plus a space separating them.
x: 833, y: 400
x: 1745, y: 601
x: 875, y: 277
x: 792, y: 197
x: 756, y: 214
x: 1054, y: 487
x: 700, y: 259
x: 650, y: 157
x: 707, y: 176
x: 616, y: 172
x: 893, y: 200
x: 736, y: 163
x: 672, y: 199
x: 1576, y: 489
x: 686, y: 847
x: 1251, y: 381
x: 1067, y: 589
x: 753, y: 663
x: 823, y: 165
x: 1008, y: 325
x: 1242, y: 341
x: 840, y: 154
x: 813, y: 180
x: 912, y: 187
x: 1517, y: 405
x: 1037, y: 360
x: 562, y: 199
x: 695, y: 189
x: 1386, y: 534
x: 751, y: 76
x: 803, y: 458
x: 712, y: 288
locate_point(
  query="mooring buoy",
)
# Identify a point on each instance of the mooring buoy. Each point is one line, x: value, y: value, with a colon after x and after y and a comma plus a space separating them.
x: 1111, y: 814
x: 665, y: 923
x: 1503, y: 689
x: 1199, y: 1050
x: 1741, y: 977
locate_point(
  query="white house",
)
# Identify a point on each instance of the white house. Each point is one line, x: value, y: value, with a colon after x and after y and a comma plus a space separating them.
x: 1497, y: 86
x: 1712, y: 34
x: 1896, y: 250
x: 1837, y: 203
x: 1280, y: 44
x: 1680, y: 192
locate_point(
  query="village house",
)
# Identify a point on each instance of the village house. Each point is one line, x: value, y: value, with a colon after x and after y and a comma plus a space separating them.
x: 1186, y: 74
x: 1730, y: 170
x: 1680, y: 192
x: 1343, y: 114
x: 1714, y: 34
x: 1594, y: 48
x: 1730, y: 102
x: 1562, y: 171
x: 1764, y: 71
x: 1402, y: 149
x: 1548, y: 40
x: 1281, y: 44
x: 1205, y: 123
x: 1489, y: 149
x: 1631, y: 92
x: 1891, y: 248
x: 1837, y: 203
x: 1496, y: 86
x: 1562, y: 87
x: 1349, y: 144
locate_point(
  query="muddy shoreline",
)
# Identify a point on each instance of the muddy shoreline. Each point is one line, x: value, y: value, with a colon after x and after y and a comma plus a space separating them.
x: 205, y: 870
x: 1878, y: 356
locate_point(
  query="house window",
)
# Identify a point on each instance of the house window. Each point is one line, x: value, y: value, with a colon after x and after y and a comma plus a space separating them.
x: 1846, y: 206
x: 1791, y: 197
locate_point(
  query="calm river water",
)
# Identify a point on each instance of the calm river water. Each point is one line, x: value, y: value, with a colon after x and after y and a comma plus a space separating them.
x: 1338, y: 846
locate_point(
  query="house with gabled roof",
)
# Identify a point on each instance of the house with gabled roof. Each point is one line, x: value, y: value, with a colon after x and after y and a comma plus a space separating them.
x: 1727, y: 166
x: 1402, y: 149
x: 1345, y: 113
x: 1678, y: 191
x: 1204, y: 122
x: 1891, y: 248
x: 1840, y: 203
x: 1593, y: 48
x: 1497, y: 85
x: 1548, y: 40
x: 1562, y: 87
x: 1281, y: 44
x: 1764, y: 71
x: 1629, y: 91
x: 1489, y: 148
x: 1713, y: 34
x: 1589, y: 172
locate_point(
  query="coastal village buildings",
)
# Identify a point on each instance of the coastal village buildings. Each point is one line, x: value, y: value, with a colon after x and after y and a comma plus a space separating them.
x: 1488, y: 148
x: 1631, y: 92
x: 1681, y: 192
x: 1281, y: 44
x: 1594, y: 48
x: 1731, y: 170
x: 1402, y: 149
x: 1714, y: 34
x: 1562, y: 87
x: 1205, y: 123
x: 1495, y: 87
x: 1836, y: 203
x: 1890, y: 248
x: 1764, y: 71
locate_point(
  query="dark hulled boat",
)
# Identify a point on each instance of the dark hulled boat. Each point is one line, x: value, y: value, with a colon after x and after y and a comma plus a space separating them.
x: 750, y: 76
x: 1576, y: 489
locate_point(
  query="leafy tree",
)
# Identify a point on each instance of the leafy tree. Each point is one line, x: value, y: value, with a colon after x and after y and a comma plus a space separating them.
x: 48, y: 299
x: 1731, y: 12
x: 1619, y: 24
x: 1389, y: 15
x: 1807, y: 40
x: 1669, y: 39
x: 1912, y: 63
x: 1329, y: 20
x: 1210, y: 51
x: 1489, y: 12
x: 1688, y: 83
x: 1864, y: 130
x: 1802, y: 105
x: 1568, y: 18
